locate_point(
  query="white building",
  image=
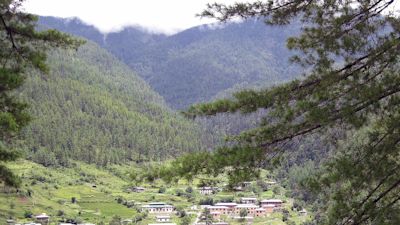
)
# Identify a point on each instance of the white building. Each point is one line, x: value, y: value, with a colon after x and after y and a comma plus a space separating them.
x: 43, y: 219
x: 303, y: 212
x: 207, y: 190
x: 251, y: 200
x: 159, y: 207
x: 163, y: 219
x: 138, y: 189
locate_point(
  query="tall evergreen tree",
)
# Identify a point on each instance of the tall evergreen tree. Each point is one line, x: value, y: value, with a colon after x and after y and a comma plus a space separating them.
x: 22, y: 48
x: 350, y: 50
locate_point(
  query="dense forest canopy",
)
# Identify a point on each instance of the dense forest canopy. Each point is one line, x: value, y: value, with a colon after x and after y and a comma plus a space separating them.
x: 93, y: 108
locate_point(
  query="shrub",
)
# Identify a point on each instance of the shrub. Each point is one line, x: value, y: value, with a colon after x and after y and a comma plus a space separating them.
x: 28, y: 214
x: 161, y: 190
x: 60, y: 213
x: 189, y: 189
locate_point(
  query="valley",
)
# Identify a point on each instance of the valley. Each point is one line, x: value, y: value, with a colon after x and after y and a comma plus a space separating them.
x: 278, y: 112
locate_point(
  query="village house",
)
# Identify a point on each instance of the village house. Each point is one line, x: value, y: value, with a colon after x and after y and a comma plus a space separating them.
x: 163, y: 219
x: 238, y: 188
x: 159, y: 208
x: 233, y: 209
x: 43, y: 219
x: 230, y: 205
x: 248, y: 200
x: 207, y: 190
x: 276, y: 202
x: 303, y: 212
x: 251, y: 209
x: 269, y: 208
x: 242, y: 186
x: 220, y: 209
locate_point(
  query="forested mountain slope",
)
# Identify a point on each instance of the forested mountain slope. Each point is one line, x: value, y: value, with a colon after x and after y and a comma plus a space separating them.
x: 197, y: 64
x: 93, y: 108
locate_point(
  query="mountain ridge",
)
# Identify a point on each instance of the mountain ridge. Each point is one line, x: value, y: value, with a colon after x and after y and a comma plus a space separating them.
x: 196, y: 64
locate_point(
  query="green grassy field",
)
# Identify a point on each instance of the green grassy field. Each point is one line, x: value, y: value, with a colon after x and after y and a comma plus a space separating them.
x: 96, y: 192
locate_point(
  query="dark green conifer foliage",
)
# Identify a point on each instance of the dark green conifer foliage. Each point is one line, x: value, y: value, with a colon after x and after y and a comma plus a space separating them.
x: 22, y: 49
x: 351, y: 50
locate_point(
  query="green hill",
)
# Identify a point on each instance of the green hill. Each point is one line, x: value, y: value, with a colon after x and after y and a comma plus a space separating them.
x: 93, y: 108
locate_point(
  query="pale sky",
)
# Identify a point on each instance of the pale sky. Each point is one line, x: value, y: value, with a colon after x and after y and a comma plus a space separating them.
x: 161, y: 16
x: 167, y: 16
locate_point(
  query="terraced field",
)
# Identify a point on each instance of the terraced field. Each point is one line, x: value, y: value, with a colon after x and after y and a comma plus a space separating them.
x: 85, y: 193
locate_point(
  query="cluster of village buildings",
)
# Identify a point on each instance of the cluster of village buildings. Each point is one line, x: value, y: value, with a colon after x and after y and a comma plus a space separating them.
x: 162, y: 211
x: 230, y: 209
x: 251, y: 205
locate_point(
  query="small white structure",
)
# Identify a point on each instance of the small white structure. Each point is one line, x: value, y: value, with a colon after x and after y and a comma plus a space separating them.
x: 138, y: 189
x: 43, y: 219
x: 207, y: 190
x: 159, y: 207
x: 250, y: 200
x: 303, y: 212
x: 238, y: 188
x: 163, y: 219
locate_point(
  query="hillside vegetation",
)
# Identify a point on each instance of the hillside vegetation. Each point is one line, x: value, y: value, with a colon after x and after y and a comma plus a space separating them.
x: 95, y: 109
